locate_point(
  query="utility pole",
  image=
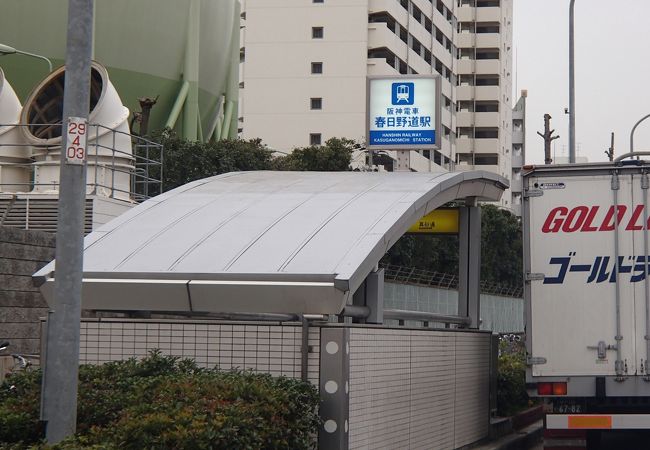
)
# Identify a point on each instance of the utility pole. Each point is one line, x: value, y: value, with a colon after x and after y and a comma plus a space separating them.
x: 61, y: 370
x: 610, y: 152
x: 572, y: 87
x: 547, y: 138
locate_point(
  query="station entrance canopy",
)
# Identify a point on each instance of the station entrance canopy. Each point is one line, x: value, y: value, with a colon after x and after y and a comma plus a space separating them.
x: 270, y: 242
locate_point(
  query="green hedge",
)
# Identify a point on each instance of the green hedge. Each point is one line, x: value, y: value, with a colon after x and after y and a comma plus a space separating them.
x: 511, y: 381
x: 162, y: 402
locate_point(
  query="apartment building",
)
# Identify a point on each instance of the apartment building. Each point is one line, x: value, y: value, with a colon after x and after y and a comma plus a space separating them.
x: 484, y: 70
x: 518, y: 156
x: 304, y: 65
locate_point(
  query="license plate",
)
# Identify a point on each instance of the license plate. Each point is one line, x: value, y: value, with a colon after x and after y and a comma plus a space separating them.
x: 567, y: 407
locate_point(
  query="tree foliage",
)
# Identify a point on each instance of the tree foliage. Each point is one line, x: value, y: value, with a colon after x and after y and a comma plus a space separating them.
x: 186, y: 161
x: 501, y: 249
x: 334, y: 156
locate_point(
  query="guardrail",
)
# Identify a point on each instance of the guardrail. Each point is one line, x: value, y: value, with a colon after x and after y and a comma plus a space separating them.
x: 140, y: 162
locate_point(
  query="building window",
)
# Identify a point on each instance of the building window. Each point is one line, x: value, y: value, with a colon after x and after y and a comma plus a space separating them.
x: 315, y: 139
x: 317, y: 1
x: 317, y: 32
x: 486, y: 159
x: 316, y: 103
x: 317, y: 67
x: 486, y: 133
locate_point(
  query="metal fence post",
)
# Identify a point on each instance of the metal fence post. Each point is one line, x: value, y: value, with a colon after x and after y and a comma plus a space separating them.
x: 334, y: 388
x: 494, y: 368
x: 469, y: 263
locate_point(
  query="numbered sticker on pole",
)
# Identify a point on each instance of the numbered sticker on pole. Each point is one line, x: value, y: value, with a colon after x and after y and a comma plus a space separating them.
x: 77, y: 133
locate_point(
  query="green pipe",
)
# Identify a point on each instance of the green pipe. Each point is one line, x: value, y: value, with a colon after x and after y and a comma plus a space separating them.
x: 234, y: 123
x: 178, y: 105
x: 227, y: 118
x: 217, y: 131
x: 215, y: 118
x: 191, y: 72
x: 199, y: 126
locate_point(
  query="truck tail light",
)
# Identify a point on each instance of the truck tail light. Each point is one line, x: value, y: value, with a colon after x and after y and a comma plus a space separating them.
x: 544, y: 388
x: 558, y: 388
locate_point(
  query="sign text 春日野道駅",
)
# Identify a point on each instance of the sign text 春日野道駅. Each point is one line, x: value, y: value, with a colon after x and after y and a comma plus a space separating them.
x: 403, y: 112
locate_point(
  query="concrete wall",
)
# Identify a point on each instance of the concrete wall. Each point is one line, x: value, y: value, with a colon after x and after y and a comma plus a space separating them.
x: 21, y: 304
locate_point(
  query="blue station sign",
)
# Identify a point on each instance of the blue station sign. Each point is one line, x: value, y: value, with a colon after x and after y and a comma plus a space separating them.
x: 403, y: 112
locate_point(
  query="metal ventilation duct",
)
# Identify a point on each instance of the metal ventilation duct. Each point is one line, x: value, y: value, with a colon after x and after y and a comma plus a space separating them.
x: 109, y: 151
x: 14, y: 152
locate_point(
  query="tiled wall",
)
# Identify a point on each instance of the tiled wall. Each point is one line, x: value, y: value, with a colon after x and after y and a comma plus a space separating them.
x: 273, y: 349
x: 418, y: 389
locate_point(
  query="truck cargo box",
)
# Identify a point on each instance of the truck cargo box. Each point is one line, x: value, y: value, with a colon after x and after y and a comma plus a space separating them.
x: 587, y: 291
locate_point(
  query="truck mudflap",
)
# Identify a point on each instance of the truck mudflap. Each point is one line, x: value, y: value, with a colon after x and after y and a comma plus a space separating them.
x: 597, y: 421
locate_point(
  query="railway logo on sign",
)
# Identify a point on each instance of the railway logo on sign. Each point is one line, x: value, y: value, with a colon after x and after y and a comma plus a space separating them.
x: 403, y: 93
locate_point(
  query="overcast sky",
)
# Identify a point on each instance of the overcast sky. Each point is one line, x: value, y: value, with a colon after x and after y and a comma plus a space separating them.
x: 612, y: 57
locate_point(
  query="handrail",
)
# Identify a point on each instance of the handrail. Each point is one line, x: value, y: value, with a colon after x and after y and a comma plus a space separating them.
x: 631, y: 154
x: 400, y: 314
x: 143, y: 163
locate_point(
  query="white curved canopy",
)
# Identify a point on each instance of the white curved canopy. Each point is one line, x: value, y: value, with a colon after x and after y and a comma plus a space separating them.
x: 275, y: 242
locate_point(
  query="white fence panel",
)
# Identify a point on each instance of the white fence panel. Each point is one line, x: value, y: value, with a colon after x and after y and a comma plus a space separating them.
x: 418, y: 388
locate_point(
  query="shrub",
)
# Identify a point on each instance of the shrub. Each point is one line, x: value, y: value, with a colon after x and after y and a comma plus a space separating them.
x: 162, y: 402
x: 511, y: 381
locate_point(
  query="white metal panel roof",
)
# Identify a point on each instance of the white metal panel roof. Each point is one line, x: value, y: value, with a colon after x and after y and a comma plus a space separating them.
x: 297, y: 242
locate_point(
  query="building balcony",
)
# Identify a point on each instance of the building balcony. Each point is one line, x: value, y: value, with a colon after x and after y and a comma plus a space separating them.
x: 487, y: 145
x: 379, y: 66
x: 465, y: 167
x: 380, y: 36
x: 479, y: 67
x: 488, y: 66
x: 477, y: 119
x: 391, y: 7
x: 466, y: 66
x: 486, y: 14
x: 488, y: 40
x: 479, y: 93
x: 465, y: 14
x: 445, y: 117
x: 517, y: 161
x: 468, y: 145
x: 517, y: 137
x: 466, y: 40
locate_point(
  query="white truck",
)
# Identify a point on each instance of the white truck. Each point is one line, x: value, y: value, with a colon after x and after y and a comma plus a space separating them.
x: 587, y: 297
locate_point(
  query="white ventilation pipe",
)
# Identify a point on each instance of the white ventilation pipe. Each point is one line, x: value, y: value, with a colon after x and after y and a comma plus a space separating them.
x: 14, y: 152
x: 109, y: 151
